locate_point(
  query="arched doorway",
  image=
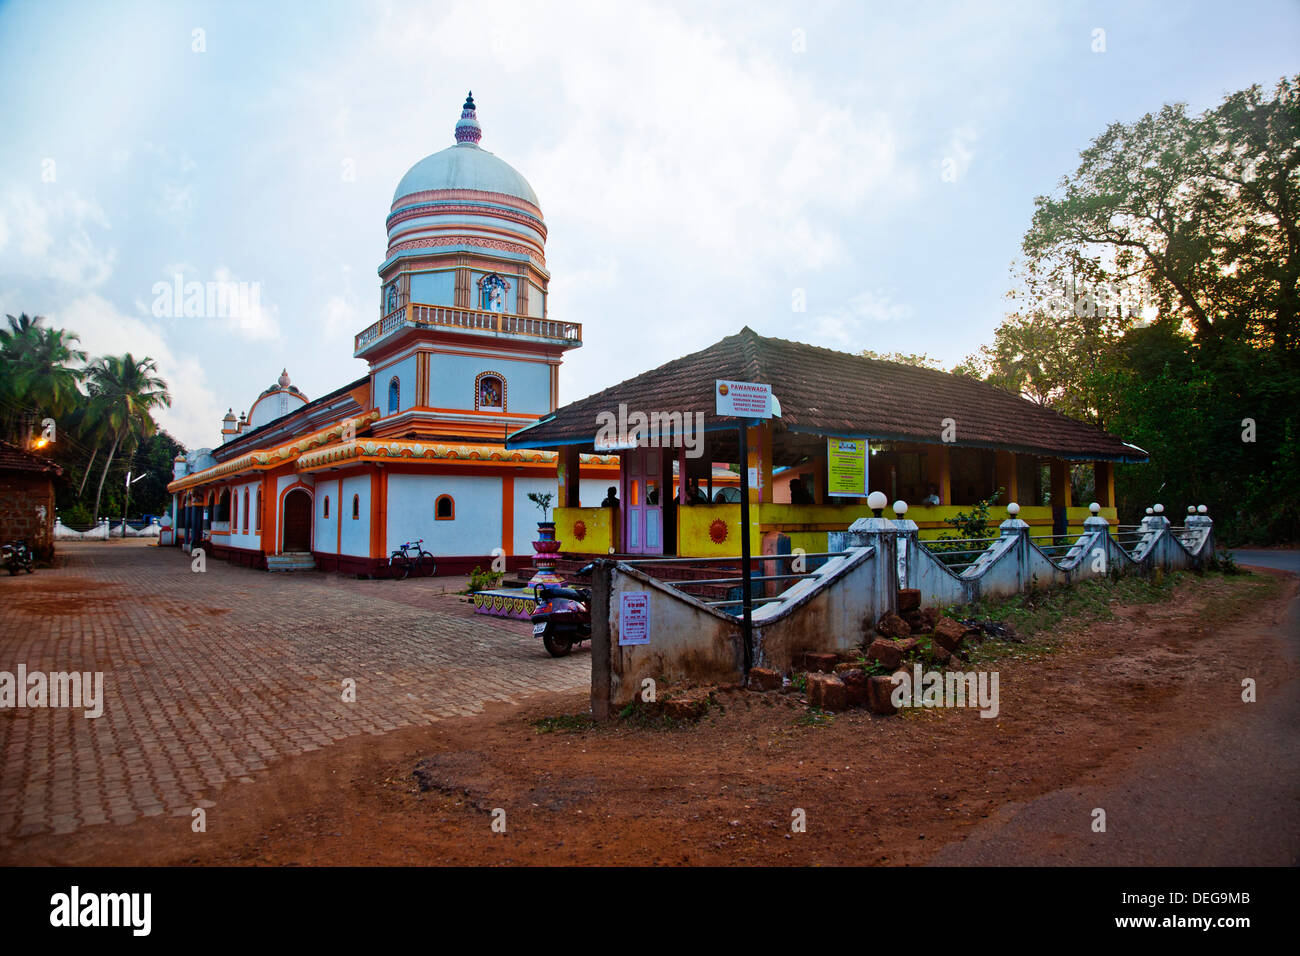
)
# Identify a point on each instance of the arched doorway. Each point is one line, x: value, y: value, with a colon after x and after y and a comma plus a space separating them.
x: 297, y: 522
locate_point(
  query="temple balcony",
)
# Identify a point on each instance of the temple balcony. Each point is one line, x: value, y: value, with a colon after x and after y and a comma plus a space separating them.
x: 498, y: 325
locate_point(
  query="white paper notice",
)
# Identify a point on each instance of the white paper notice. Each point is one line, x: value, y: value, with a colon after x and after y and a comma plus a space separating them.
x: 634, y: 619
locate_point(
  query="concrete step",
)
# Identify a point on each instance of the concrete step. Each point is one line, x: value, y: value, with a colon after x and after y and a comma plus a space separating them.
x: 291, y: 561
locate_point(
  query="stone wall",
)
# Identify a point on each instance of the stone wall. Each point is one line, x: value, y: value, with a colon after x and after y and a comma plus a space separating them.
x: 27, y: 510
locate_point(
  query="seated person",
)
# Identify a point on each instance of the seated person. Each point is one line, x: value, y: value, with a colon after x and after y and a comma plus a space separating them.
x: 611, y: 498
x: 799, y: 495
x: 694, y: 496
x: 933, y: 497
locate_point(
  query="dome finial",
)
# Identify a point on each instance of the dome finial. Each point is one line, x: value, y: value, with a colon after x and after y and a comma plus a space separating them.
x: 468, y: 130
x: 283, y: 380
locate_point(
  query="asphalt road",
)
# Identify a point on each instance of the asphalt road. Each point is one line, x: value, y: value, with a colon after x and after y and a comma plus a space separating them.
x: 1228, y: 797
x: 1282, y: 560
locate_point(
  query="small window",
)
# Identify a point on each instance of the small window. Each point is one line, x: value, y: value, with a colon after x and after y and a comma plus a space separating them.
x: 356, y: 506
x: 394, y: 395
x: 444, y: 509
x: 234, y: 504
x: 489, y: 392
x: 327, y: 506
x: 258, y: 519
x: 245, y: 511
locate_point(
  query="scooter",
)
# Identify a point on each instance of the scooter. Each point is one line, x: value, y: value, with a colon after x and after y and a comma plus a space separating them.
x: 563, y: 616
x: 17, y: 557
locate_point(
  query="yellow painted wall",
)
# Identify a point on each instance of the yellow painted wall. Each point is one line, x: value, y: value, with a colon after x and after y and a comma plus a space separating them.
x: 806, y: 525
x: 695, y: 521
x: 601, y: 530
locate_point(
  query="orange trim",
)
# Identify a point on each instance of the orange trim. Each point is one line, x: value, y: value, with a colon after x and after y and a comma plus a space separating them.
x: 376, y: 480
x: 383, y: 513
x: 264, y: 497
x: 508, y: 514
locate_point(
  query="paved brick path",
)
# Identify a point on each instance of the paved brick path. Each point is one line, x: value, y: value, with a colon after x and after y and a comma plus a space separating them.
x: 211, y: 677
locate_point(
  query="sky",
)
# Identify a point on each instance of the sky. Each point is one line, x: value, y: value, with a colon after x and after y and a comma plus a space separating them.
x: 701, y: 166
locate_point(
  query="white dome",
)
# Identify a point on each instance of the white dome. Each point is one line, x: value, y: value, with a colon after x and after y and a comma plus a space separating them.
x: 465, y: 166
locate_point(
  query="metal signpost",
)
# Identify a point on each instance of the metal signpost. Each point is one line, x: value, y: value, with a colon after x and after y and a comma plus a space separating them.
x: 752, y: 403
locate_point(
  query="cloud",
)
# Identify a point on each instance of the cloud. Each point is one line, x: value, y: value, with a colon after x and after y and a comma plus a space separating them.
x: 849, y: 326
x: 52, y: 236
x: 195, y: 411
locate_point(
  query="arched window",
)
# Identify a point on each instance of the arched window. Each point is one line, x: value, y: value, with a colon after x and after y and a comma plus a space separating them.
x: 327, y: 506
x: 490, y: 391
x: 257, y: 520
x: 394, y: 395
x: 444, y: 509
x: 245, y: 511
x: 356, y: 506
x: 234, y: 504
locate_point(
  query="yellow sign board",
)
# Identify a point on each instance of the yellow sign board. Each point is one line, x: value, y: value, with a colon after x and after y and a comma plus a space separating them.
x: 846, y: 467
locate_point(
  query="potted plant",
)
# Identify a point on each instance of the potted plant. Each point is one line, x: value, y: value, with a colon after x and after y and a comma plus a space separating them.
x: 546, y: 546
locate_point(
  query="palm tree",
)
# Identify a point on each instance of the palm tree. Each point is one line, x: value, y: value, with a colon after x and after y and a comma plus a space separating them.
x: 126, y: 391
x: 38, y: 377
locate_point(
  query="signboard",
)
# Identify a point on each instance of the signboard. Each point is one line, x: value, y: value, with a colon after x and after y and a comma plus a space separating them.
x: 633, y: 619
x: 846, y: 467
x: 743, y: 399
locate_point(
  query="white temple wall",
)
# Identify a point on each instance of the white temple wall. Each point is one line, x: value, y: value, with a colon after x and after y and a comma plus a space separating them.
x: 356, y: 531
x: 476, y: 528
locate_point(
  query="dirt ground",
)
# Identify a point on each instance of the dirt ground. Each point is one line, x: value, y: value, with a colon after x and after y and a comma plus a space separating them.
x: 875, y: 790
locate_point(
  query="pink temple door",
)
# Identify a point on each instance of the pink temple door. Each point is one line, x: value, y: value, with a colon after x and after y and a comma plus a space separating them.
x: 643, y: 501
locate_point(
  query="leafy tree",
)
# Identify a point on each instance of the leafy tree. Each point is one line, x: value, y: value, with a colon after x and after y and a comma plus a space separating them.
x: 38, y: 378
x: 125, y: 390
x: 919, y: 359
x: 1201, y: 208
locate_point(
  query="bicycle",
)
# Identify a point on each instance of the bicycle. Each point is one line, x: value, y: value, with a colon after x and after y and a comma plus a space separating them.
x: 410, y: 558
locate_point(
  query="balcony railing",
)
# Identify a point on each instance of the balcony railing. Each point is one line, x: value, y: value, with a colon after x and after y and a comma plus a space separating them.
x: 415, y: 315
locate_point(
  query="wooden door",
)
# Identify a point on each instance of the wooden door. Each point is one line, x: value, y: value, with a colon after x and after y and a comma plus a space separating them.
x: 643, y: 505
x: 297, y: 521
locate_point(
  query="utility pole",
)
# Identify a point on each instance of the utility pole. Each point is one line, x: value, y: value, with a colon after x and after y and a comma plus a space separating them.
x: 126, y: 506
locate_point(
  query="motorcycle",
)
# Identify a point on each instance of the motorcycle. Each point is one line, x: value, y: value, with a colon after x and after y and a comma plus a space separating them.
x: 17, y: 557
x: 562, y: 617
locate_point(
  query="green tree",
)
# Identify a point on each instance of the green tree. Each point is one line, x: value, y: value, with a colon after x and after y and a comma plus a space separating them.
x: 39, y: 378
x: 1202, y: 209
x: 125, y: 390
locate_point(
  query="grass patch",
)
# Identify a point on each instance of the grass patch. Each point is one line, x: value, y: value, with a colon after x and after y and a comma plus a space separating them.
x: 564, y: 723
x: 1035, y: 615
x: 639, y: 716
x: 1042, y: 609
x: 813, y: 717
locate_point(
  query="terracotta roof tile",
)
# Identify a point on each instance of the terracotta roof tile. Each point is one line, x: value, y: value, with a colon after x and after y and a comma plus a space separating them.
x: 825, y: 392
x: 13, y: 458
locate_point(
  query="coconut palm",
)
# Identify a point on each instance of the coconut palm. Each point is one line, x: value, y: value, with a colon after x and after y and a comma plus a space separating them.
x: 39, y: 374
x: 125, y: 390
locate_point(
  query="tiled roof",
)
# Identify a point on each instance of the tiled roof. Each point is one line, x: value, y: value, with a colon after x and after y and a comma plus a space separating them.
x: 13, y: 458
x: 824, y: 392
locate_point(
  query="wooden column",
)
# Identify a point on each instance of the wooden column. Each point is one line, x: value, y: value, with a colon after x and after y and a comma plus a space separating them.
x: 938, y: 471
x: 760, y: 459
x: 1008, y: 476
x: 821, y: 477
x: 568, y: 473
x: 1104, y: 481
x: 1060, y: 484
